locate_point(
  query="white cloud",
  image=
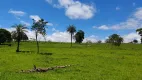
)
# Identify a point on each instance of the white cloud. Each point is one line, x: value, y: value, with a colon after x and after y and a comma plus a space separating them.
x: 130, y: 37
x: 49, y: 1
x: 35, y: 17
x: 49, y: 24
x: 138, y: 13
x: 57, y: 6
x: 59, y: 37
x: 133, y: 22
x: 79, y: 11
x: 91, y: 38
x: 55, y: 37
x: 53, y: 29
x: 103, y: 27
x: 117, y: 8
x: 25, y: 23
x: 66, y: 3
x: 16, y: 13
x: 94, y: 27
x: 75, y: 9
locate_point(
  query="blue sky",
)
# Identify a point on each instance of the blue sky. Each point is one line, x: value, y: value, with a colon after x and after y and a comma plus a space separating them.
x: 97, y: 18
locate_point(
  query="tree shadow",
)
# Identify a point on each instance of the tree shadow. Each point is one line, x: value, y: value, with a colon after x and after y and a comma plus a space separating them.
x: 46, y: 53
x: 26, y: 52
x: 7, y: 44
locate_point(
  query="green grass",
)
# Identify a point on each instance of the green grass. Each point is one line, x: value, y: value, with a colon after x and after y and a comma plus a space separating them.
x: 94, y: 62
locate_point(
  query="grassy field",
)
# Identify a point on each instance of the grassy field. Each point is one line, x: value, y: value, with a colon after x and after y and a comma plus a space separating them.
x: 93, y: 62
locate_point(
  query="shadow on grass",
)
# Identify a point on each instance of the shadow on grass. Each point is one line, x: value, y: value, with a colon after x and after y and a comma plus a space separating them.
x: 42, y: 53
x: 46, y: 53
x: 26, y: 52
x: 6, y: 44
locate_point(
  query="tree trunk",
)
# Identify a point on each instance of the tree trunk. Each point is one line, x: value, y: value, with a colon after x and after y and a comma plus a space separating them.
x: 18, y: 40
x: 37, y: 44
x: 71, y: 39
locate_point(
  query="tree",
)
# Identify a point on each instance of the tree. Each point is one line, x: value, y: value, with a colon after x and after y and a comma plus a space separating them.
x: 5, y: 36
x: 71, y: 29
x: 20, y: 29
x: 135, y: 41
x: 39, y: 28
x: 99, y: 41
x: 140, y: 33
x: 23, y: 36
x: 107, y: 41
x: 79, y: 36
x: 115, y: 39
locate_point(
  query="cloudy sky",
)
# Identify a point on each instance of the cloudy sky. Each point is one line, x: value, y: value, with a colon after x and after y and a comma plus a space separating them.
x: 97, y: 18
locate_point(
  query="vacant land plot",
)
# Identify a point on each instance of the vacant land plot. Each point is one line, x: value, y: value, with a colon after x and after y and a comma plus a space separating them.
x: 89, y: 62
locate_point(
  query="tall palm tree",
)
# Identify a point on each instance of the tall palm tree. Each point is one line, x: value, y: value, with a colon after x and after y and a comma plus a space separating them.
x: 14, y: 36
x: 71, y: 29
x: 20, y: 29
x: 39, y: 28
x: 140, y: 33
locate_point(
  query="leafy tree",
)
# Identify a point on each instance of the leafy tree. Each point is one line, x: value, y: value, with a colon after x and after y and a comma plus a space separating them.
x: 5, y: 36
x: 89, y: 42
x: 115, y: 39
x: 20, y: 29
x: 79, y: 36
x: 2, y: 38
x: 140, y: 33
x: 107, y: 41
x: 99, y: 41
x: 39, y: 28
x: 135, y: 41
x: 71, y: 29
x: 23, y: 36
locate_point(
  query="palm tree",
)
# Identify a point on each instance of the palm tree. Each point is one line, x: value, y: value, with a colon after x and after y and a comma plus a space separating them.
x: 140, y: 33
x: 20, y: 29
x: 14, y: 36
x: 39, y: 28
x: 71, y: 29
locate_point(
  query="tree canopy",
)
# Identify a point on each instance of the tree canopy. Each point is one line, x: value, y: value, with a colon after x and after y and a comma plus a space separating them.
x: 19, y: 32
x: 39, y: 28
x: 115, y: 39
x: 5, y: 36
x: 79, y: 36
x: 23, y: 36
x: 140, y: 33
x: 135, y: 41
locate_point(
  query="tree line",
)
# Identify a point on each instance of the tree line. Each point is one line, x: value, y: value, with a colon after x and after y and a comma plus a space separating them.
x: 39, y: 27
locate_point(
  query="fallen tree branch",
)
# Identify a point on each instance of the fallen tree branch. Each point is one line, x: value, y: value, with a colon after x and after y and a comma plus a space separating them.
x: 43, y: 69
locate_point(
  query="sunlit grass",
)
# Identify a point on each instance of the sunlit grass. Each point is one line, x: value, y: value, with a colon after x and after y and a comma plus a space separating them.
x: 90, y: 62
